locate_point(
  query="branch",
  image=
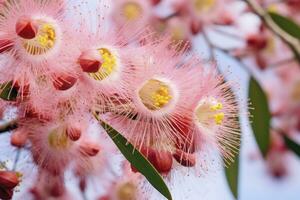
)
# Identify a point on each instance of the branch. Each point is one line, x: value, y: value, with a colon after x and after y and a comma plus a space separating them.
x: 9, y: 125
x: 292, y: 42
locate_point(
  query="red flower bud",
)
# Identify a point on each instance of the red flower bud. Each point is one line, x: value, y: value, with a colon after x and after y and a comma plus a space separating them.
x: 186, y: 138
x: 90, y: 61
x: 18, y: 138
x: 155, y: 2
x: 257, y: 42
x: 82, y: 184
x: 74, y: 132
x: 161, y: 160
x: 8, y: 180
x: 57, y: 190
x: 64, y: 82
x: 25, y: 28
x: 89, y: 149
x: 196, y: 27
x: 185, y: 159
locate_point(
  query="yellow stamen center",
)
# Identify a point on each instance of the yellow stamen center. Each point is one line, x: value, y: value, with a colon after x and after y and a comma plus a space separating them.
x: 127, y: 191
x: 108, y: 66
x: 132, y: 11
x: 155, y: 94
x: 43, y: 42
x: 58, y: 139
x: 209, y: 112
x: 204, y: 5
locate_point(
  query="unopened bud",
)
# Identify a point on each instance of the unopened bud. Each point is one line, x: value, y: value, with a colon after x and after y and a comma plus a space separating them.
x: 82, y: 184
x: 64, y: 82
x: 18, y: 138
x: 161, y: 160
x: 25, y: 28
x: 90, y: 61
x: 8, y: 180
x: 196, y: 27
x: 89, y: 149
x: 155, y: 2
x: 74, y: 132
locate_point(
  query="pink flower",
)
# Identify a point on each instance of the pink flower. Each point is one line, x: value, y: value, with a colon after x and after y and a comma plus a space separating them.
x: 33, y: 33
x: 159, y: 94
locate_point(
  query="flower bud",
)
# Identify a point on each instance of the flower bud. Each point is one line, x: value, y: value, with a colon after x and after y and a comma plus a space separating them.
x: 74, y: 132
x: 64, y: 82
x: 8, y: 180
x: 186, y: 138
x: 57, y: 190
x: 89, y: 149
x: 196, y: 27
x: 155, y: 2
x: 26, y: 29
x: 257, y: 42
x: 18, y: 138
x: 82, y: 184
x: 90, y: 61
x: 161, y: 160
x: 185, y: 159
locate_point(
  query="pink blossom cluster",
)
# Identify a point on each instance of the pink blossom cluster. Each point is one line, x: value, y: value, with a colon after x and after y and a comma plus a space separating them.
x: 67, y: 64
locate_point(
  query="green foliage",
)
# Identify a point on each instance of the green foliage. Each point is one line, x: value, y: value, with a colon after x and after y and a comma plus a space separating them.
x: 138, y: 161
x: 260, y: 116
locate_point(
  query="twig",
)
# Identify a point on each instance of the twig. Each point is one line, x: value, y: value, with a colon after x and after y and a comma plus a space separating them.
x: 292, y: 42
x: 9, y: 125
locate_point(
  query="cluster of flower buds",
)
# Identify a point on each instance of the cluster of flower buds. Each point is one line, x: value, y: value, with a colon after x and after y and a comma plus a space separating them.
x: 166, y: 102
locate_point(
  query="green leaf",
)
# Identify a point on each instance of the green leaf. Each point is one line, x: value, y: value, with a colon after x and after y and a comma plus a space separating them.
x: 8, y: 92
x: 293, y: 146
x: 138, y: 161
x: 260, y: 116
x: 286, y: 24
x: 232, y: 176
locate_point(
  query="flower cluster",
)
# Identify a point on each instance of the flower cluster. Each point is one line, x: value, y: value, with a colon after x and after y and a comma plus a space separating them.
x: 65, y: 65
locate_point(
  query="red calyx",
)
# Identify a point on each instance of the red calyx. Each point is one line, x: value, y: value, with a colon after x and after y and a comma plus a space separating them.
x: 74, y: 133
x: 64, y: 82
x: 26, y: 29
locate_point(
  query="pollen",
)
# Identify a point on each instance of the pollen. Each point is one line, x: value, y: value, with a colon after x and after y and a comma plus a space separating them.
x: 204, y: 5
x: 108, y: 66
x: 210, y: 112
x: 132, y: 11
x: 57, y: 139
x: 44, y: 41
x: 155, y: 94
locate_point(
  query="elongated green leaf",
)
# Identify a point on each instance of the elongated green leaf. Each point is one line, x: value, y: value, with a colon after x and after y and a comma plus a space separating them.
x: 7, y: 92
x: 260, y: 116
x: 293, y: 146
x: 232, y: 172
x: 232, y: 176
x: 286, y: 24
x: 138, y: 161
